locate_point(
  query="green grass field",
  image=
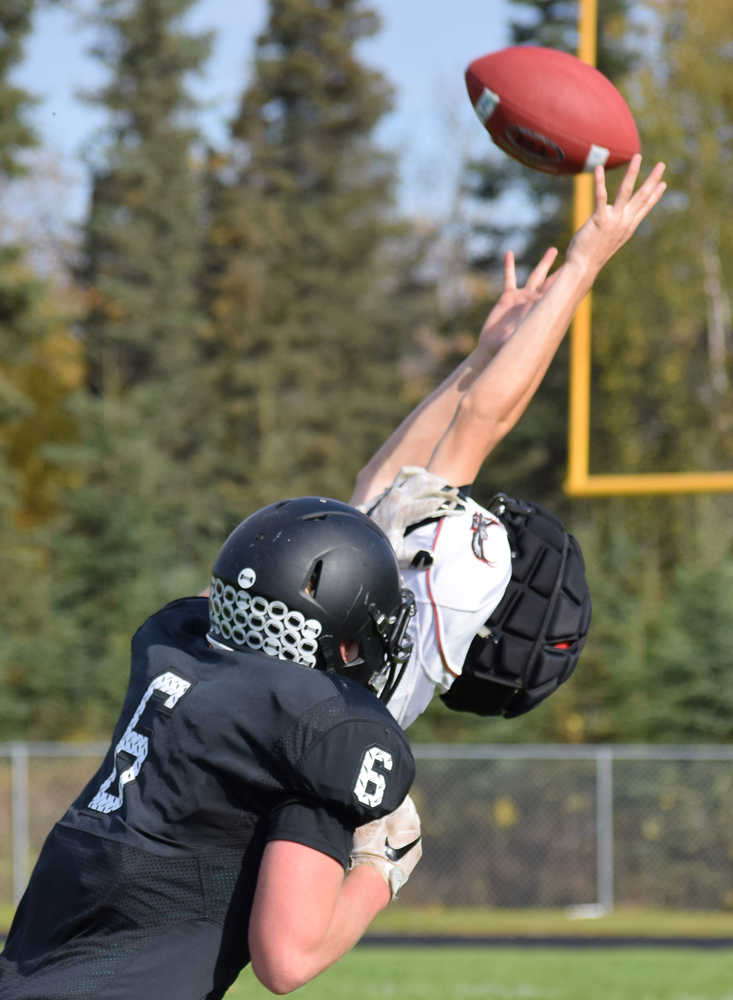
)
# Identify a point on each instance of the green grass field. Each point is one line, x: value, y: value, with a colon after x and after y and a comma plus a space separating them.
x: 522, y: 973
x: 621, y: 922
x: 525, y: 973
x: 402, y: 919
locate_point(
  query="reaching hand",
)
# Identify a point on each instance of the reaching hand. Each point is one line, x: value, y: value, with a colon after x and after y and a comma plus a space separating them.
x: 611, y: 226
x: 515, y: 302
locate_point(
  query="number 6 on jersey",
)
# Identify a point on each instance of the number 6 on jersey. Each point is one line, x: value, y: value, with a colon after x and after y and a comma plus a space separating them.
x: 371, y: 784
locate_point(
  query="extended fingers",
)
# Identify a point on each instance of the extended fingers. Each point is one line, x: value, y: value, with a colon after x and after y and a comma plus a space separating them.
x: 651, y: 190
x: 601, y: 195
x: 626, y: 188
x: 510, y: 273
x: 541, y: 270
x: 641, y: 202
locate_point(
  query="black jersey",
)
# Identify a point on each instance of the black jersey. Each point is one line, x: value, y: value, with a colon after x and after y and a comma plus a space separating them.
x: 145, y: 885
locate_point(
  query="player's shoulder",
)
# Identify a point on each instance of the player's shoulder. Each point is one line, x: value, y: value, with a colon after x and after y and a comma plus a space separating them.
x: 479, y: 535
x: 182, y: 620
x: 348, y: 750
x: 478, y: 529
x: 469, y: 559
x: 346, y: 713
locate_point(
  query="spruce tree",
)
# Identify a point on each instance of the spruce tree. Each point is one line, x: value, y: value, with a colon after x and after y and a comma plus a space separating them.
x: 38, y: 370
x: 663, y: 366
x: 307, y: 281
x: 16, y: 138
x: 140, y: 257
x: 662, y: 350
x: 129, y: 541
x: 661, y: 402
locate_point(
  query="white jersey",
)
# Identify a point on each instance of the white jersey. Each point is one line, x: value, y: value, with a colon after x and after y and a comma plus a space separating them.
x: 455, y: 594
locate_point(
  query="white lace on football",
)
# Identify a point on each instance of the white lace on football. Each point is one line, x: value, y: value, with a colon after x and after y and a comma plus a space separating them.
x: 242, y: 619
x: 414, y: 495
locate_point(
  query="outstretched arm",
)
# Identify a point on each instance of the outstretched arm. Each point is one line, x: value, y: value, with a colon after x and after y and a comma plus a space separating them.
x: 491, y: 406
x: 415, y: 440
x: 454, y: 429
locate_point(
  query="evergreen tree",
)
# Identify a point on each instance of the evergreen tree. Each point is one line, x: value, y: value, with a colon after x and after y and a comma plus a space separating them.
x: 16, y: 138
x: 129, y: 537
x: 662, y: 370
x: 689, y: 659
x: 307, y: 286
x: 140, y: 259
x: 16, y: 133
x: 39, y: 369
x: 663, y: 320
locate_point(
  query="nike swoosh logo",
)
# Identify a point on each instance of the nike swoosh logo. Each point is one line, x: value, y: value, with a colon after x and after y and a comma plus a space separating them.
x: 396, y: 853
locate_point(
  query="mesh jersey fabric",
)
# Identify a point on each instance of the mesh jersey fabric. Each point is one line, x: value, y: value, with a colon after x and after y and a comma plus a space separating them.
x: 144, y: 886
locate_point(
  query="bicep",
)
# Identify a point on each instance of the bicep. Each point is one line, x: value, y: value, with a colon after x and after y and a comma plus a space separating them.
x: 306, y: 914
x: 297, y: 888
x: 295, y: 882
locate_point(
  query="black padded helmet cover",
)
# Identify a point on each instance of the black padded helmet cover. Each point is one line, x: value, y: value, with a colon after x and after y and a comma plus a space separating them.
x: 531, y: 643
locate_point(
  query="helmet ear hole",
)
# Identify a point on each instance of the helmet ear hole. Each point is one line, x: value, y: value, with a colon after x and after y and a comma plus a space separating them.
x: 311, y: 588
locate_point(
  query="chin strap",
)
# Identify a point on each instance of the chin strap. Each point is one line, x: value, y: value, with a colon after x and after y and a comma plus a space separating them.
x: 357, y: 670
x: 382, y: 683
x: 415, y: 495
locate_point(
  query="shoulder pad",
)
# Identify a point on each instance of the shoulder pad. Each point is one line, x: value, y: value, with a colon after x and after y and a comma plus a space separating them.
x: 350, y: 753
x: 187, y: 615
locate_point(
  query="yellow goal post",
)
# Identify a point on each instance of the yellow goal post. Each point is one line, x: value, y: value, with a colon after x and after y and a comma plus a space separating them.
x: 579, y: 482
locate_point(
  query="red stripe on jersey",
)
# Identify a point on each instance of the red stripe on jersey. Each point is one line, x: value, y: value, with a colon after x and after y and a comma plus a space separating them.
x: 436, y: 620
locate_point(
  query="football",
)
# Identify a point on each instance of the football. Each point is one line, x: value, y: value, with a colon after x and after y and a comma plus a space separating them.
x: 550, y: 110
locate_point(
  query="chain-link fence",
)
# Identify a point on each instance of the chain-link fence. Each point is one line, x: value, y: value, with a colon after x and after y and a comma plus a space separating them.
x: 514, y: 826
x: 549, y: 826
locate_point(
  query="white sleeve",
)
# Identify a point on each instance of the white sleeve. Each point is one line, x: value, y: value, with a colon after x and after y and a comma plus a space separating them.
x: 454, y: 596
x: 413, y: 695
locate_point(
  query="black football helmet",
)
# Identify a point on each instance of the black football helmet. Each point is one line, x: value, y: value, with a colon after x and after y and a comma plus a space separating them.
x: 301, y: 576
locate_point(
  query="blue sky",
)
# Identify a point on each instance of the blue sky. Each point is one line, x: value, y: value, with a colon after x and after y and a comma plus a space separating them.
x: 423, y: 49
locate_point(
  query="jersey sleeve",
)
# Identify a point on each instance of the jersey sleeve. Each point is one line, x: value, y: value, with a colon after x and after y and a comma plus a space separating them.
x: 306, y: 822
x: 457, y: 592
x: 356, y: 770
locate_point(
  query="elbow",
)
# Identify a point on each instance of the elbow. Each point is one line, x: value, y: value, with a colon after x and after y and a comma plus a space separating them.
x: 279, y: 968
x: 277, y: 985
x: 478, y: 426
x: 479, y: 412
x: 276, y: 979
x: 487, y: 418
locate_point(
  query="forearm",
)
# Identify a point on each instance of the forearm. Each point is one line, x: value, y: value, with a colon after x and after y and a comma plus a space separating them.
x: 519, y: 367
x: 363, y: 894
x: 496, y: 399
x: 415, y: 439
